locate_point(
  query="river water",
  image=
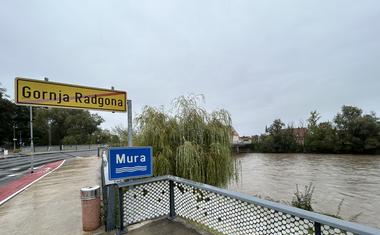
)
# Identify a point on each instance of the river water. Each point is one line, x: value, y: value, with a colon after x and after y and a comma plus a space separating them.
x: 354, y: 178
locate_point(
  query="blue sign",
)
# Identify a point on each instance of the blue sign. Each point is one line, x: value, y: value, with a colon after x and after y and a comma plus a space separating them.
x: 130, y: 162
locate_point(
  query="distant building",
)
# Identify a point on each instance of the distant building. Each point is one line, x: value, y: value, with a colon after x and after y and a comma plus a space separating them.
x: 235, y: 136
x: 236, y: 139
x: 255, y: 139
x: 245, y: 140
x: 299, y: 134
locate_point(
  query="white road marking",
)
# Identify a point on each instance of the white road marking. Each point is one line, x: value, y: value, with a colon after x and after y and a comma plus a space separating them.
x: 19, y: 191
x: 11, y: 175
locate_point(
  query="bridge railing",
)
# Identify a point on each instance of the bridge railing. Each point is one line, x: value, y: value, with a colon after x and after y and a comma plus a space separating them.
x: 222, y: 211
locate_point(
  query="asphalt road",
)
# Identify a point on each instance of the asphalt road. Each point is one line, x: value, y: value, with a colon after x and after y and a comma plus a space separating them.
x: 16, y: 166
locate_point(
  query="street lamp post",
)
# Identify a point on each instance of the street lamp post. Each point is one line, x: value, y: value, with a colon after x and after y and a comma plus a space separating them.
x: 14, y: 137
x: 49, y: 121
x: 20, y: 140
x: 49, y: 130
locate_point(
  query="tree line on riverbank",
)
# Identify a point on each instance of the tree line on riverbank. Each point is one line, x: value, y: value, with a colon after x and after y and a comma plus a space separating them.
x: 351, y: 131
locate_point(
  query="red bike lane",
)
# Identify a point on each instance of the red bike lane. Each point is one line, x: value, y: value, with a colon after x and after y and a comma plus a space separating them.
x: 13, y: 188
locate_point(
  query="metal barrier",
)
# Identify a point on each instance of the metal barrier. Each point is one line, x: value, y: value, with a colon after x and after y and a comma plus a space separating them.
x: 108, y: 196
x: 54, y: 148
x: 222, y: 211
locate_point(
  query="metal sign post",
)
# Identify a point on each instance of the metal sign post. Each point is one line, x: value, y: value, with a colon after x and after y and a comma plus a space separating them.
x: 129, y: 105
x: 31, y: 140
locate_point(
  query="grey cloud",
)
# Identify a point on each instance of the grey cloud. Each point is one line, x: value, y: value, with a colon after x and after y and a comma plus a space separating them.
x: 260, y: 60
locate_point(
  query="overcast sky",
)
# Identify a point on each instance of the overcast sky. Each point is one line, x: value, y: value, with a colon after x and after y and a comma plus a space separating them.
x: 260, y: 60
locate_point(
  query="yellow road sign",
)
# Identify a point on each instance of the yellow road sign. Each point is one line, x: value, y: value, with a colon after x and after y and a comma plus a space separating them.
x: 59, y: 95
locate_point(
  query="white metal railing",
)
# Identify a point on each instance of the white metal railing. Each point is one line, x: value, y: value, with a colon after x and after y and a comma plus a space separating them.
x: 221, y: 210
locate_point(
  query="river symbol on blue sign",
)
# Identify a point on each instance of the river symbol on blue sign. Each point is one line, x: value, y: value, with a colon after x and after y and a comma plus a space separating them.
x: 130, y: 162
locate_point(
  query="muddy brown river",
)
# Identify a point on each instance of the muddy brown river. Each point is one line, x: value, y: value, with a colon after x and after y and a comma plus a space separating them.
x: 353, y: 178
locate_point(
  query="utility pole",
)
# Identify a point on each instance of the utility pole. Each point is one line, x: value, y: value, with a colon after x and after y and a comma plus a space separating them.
x: 31, y: 140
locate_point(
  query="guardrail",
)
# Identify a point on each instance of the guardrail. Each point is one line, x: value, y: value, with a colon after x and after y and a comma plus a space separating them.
x: 222, y: 211
x: 53, y: 148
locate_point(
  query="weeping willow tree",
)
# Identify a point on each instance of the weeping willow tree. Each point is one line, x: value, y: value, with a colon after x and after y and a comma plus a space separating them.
x: 188, y: 141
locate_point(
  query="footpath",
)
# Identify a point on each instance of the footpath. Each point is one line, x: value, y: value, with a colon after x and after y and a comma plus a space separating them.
x: 52, y: 205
